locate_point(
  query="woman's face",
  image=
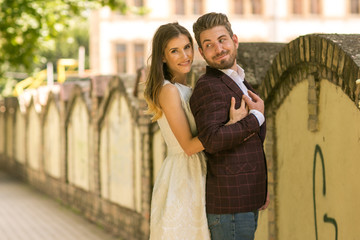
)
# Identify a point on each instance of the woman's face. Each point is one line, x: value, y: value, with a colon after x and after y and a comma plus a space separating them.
x: 178, y: 55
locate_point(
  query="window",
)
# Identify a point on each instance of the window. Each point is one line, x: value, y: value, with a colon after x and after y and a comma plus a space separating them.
x: 256, y: 7
x: 355, y: 6
x: 239, y: 7
x: 189, y: 7
x: 180, y: 7
x: 297, y: 7
x: 306, y: 7
x: 120, y: 58
x: 139, y: 55
x: 198, y: 7
x: 315, y: 7
x: 247, y: 7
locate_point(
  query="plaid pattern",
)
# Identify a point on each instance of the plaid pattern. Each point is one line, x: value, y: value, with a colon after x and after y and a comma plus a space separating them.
x: 237, y: 172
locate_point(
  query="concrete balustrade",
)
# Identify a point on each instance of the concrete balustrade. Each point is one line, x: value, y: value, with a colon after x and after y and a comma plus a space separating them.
x: 86, y: 144
x: 90, y: 145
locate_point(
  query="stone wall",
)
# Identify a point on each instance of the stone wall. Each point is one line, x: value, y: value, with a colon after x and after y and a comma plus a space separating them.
x: 311, y: 93
x: 90, y: 145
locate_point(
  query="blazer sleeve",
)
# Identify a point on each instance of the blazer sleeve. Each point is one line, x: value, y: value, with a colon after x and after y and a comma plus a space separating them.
x: 210, y: 106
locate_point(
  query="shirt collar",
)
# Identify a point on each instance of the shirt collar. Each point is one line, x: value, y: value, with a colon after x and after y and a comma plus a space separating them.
x: 239, y: 71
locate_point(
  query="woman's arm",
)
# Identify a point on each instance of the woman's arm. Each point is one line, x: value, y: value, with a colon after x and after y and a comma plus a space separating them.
x: 210, y: 109
x: 170, y: 102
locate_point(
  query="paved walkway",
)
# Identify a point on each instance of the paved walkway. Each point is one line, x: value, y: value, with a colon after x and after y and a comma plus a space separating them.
x: 26, y: 214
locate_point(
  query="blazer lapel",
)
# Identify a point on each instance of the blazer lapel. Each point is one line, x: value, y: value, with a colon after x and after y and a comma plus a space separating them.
x: 228, y: 81
x: 249, y: 87
x: 232, y: 85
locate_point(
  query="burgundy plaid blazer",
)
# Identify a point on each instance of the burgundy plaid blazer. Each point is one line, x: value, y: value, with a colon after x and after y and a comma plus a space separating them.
x: 237, y: 173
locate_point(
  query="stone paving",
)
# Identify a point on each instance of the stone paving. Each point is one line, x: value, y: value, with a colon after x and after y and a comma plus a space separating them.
x: 26, y: 214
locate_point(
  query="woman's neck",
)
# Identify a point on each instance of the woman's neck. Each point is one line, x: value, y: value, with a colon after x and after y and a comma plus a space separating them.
x: 180, y: 79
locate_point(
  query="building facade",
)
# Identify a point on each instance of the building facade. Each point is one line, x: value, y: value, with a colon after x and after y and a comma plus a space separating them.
x: 120, y: 43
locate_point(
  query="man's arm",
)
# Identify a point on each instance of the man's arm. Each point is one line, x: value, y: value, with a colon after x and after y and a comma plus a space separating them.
x: 210, y: 106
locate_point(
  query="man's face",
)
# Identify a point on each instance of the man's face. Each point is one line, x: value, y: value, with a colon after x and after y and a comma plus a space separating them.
x: 218, y: 48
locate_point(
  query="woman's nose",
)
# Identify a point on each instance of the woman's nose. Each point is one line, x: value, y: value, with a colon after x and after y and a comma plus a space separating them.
x: 185, y: 54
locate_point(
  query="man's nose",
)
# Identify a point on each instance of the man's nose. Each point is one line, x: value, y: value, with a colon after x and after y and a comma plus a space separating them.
x: 218, y: 47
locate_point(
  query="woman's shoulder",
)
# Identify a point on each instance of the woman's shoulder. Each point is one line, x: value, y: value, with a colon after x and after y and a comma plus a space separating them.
x: 167, y: 82
x: 169, y: 95
x: 168, y: 89
x: 168, y: 85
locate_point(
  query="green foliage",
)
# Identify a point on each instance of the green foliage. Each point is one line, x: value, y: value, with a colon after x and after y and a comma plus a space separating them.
x: 26, y: 24
x: 66, y: 45
x: 27, y: 27
x: 116, y: 5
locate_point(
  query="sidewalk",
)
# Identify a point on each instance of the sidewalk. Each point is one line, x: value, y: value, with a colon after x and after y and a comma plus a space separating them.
x: 26, y: 214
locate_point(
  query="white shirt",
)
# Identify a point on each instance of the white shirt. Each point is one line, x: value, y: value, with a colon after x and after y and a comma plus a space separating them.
x: 238, y: 77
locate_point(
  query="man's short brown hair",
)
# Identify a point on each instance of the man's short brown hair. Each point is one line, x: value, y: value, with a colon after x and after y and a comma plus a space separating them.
x: 208, y: 21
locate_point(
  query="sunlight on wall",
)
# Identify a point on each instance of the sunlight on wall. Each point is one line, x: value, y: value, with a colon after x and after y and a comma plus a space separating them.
x: 78, y: 150
x: 304, y: 209
x: 116, y: 154
x: 20, y: 137
x: 2, y: 136
x: 52, y: 141
x: 138, y: 168
x: 9, y: 135
x: 33, y: 139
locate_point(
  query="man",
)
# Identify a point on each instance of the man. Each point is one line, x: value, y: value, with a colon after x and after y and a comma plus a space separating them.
x: 236, y: 184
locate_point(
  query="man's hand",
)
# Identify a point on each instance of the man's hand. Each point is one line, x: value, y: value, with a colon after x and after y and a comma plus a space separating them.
x: 256, y: 103
x: 236, y: 115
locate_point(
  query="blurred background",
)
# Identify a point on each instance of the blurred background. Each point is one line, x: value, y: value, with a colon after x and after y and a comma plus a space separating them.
x: 113, y: 36
x: 73, y: 121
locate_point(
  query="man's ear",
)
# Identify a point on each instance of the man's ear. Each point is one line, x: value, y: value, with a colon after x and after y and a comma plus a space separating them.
x: 201, y: 51
x: 236, y: 40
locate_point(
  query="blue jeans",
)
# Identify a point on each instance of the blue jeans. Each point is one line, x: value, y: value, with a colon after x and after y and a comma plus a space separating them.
x: 238, y: 226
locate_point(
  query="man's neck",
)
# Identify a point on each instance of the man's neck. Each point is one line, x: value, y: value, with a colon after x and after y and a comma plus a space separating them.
x: 234, y: 67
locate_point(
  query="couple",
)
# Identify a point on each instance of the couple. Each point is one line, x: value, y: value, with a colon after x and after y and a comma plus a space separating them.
x: 214, y: 132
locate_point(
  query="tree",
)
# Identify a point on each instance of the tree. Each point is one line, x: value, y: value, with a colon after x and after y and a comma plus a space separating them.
x: 26, y: 25
x: 66, y: 45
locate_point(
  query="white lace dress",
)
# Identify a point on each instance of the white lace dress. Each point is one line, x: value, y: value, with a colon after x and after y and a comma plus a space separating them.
x: 178, y: 200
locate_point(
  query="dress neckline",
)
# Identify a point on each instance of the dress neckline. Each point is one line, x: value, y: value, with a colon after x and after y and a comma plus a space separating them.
x: 187, y: 86
x: 182, y: 84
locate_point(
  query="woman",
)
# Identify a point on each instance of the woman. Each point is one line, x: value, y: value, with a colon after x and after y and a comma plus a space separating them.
x: 178, y: 201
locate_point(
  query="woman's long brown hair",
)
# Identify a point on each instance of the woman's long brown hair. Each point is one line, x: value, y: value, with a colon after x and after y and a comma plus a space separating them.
x: 159, y: 71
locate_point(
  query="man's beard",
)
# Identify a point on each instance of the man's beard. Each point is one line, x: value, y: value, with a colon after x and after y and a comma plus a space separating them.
x: 224, y: 64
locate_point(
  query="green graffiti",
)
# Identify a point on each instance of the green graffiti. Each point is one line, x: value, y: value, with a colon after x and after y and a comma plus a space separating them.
x: 326, y: 218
